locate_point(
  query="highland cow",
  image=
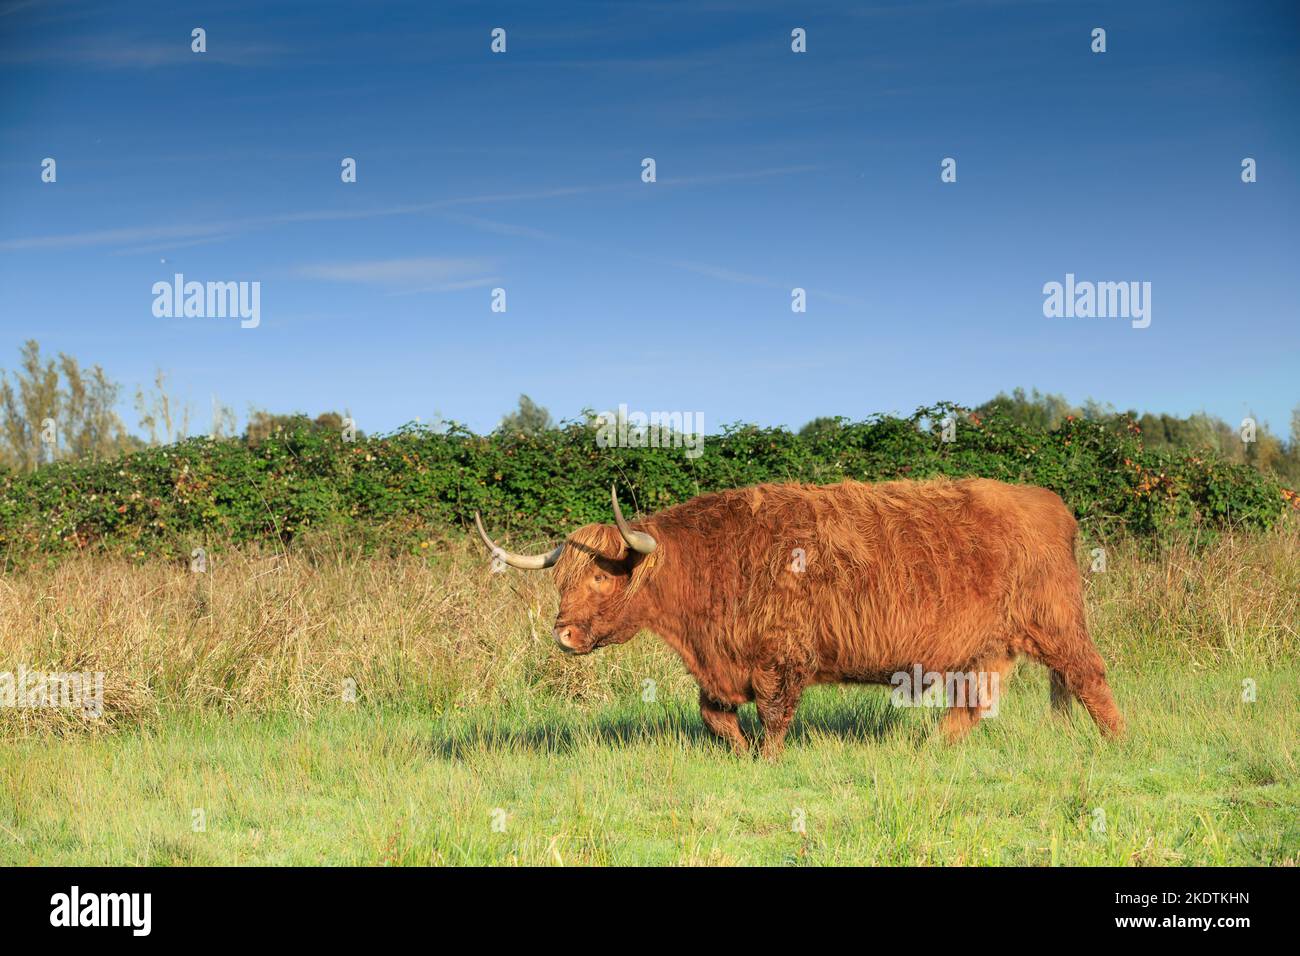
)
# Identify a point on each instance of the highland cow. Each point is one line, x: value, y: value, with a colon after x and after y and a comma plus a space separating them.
x: 765, y: 591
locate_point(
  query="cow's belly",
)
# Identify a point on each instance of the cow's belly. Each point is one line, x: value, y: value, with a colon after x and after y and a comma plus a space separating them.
x: 853, y: 677
x: 875, y: 657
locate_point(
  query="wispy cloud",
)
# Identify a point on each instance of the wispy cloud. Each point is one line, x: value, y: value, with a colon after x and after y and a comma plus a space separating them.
x: 9, y: 9
x: 720, y: 273
x: 116, y: 237
x: 735, y: 277
x: 502, y: 228
x: 426, y: 274
x: 452, y: 286
x: 170, y: 246
x: 183, y: 233
x: 127, y: 53
x: 417, y: 275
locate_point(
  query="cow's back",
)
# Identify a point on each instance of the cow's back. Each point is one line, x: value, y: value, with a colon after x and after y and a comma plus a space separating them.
x: 879, y: 577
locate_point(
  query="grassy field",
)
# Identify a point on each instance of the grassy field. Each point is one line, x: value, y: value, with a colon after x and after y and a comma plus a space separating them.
x: 472, y: 741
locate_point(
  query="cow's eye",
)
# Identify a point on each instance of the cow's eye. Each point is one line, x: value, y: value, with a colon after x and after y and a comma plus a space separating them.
x: 599, y: 578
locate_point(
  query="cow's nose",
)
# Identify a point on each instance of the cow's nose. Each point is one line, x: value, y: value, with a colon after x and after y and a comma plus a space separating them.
x: 561, y: 635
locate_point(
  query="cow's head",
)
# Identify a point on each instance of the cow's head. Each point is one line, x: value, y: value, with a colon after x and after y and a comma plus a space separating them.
x: 598, y: 569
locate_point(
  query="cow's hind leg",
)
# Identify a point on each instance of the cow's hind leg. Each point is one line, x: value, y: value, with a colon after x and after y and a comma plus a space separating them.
x: 1058, y: 638
x: 1085, y: 678
x: 979, y: 690
x: 721, y: 719
x: 1060, y: 695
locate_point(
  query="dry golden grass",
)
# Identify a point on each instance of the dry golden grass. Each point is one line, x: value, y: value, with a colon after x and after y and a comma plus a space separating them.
x: 1235, y: 600
x: 286, y: 632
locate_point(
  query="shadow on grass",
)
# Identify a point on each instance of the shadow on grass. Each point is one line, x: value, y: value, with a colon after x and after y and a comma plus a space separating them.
x: 851, y: 721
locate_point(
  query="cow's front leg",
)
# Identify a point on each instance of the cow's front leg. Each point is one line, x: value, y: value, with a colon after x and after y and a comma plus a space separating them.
x: 721, y: 719
x: 989, y: 675
x: 776, y: 695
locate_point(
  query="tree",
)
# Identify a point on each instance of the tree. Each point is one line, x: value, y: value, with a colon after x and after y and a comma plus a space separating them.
x: 263, y: 424
x: 1198, y: 431
x: 91, y: 426
x: 27, y: 408
x: 528, y: 419
x: 824, y: 426
x: 1039, y: 410
x: 51, y: 410
x: 159, y: 414
x: 1289, y: 465
x: 224, y: 421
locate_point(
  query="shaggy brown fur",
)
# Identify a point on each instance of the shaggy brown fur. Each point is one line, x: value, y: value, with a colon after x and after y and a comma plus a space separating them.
x: 952, y: 576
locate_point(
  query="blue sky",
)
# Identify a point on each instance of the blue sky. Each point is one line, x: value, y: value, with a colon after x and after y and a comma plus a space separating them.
x: 775, y: 170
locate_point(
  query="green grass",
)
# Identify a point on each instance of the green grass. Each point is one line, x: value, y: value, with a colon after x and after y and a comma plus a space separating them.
x: 1203, y: 778
x: 222, y: 693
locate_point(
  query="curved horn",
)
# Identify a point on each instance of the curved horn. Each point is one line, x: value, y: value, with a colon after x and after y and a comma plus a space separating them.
x: 524, y: 562
x: 638, y: 541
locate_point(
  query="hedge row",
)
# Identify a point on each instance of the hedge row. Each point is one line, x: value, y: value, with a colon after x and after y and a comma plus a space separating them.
x: 534, y: 487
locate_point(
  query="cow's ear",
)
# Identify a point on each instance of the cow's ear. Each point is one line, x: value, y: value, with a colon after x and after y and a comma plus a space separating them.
x: 641, y: 566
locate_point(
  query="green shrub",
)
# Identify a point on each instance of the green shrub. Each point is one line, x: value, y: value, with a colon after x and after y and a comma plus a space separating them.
x: 539, y: 486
